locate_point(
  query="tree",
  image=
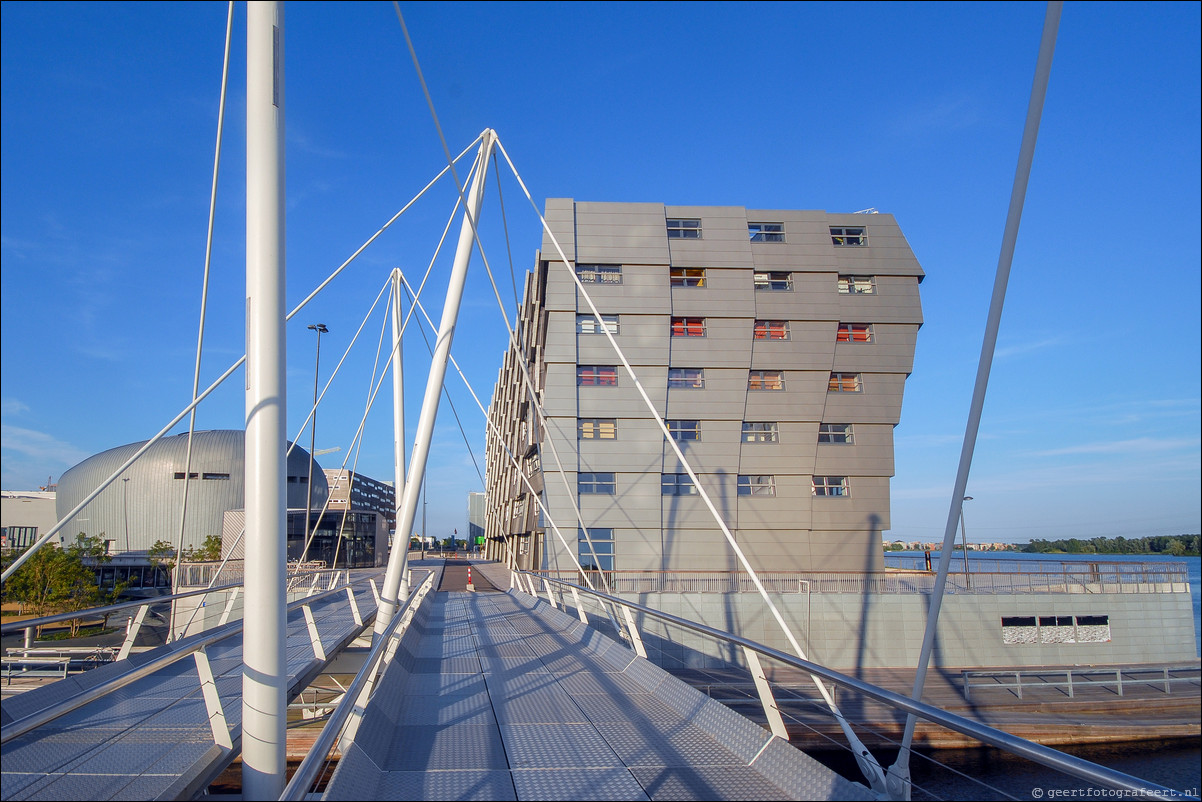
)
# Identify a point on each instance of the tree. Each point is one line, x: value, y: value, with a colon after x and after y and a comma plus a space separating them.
x: 35, y: 585
x: 56, y: 580
x: 209, y: 551
x: 162, y: 555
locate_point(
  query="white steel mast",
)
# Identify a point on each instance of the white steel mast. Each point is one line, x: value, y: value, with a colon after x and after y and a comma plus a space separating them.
x: 264, y: 677
x: 389, y: 595
x: 398, y: 429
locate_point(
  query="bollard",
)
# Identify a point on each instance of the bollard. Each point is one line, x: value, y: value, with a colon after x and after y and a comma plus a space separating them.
x: 470, y: 586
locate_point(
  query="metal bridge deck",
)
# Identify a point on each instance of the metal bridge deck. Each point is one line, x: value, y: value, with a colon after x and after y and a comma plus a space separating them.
x: 498, y: 696
x: 152, y: 739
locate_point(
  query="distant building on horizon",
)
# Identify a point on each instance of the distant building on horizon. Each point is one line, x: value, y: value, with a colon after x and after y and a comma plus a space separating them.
x: 24, y: 516
x: 142, y: 506
x: 775, y: 344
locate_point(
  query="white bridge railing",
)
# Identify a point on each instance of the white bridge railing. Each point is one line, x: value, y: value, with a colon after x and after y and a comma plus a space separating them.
x: 1062, y: 578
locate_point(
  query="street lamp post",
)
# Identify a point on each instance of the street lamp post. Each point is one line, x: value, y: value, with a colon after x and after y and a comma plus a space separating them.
x: 963, y: 535
x: 321, y: 329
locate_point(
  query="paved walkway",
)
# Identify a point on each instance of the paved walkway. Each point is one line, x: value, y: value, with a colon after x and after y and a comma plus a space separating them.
x: 495, y: 696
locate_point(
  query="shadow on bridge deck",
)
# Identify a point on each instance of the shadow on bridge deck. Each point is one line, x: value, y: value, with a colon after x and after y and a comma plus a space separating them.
x: 497, y: 696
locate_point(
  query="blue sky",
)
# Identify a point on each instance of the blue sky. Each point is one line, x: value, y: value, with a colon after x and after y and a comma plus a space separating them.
x: 1092, y: 422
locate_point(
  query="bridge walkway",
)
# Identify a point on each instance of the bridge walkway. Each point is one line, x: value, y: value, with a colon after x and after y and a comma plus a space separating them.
x: 154, y: 738
x: 498, y: 696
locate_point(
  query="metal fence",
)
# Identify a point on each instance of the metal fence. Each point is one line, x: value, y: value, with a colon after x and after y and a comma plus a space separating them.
x: 995, y: 577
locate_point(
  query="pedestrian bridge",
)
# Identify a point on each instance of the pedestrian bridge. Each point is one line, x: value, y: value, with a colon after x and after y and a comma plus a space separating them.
x: 488, y: 695
x: 469, y: 694
x: 498, y: 696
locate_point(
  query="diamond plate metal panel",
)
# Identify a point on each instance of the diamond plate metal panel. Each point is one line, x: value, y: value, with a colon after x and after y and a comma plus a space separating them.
x: 428, y: 747
x: 513, y: 648
x: 356, y: 777
x: 446, y: 665
x: 706, y: 782
x: 803, y: 777
x: 472, y: 709
x: 445, y: 684
x: 457, y: 785
x: 601, y: 708
x: 556, y: 746
x: 537, y: 707
x: 577, y: 784
x: 737, y: 733
x: 598, y: 682
x: 514, y: 667
x: 645, y: 744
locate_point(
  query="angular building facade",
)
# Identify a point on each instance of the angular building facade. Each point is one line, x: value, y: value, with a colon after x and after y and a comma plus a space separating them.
x: 775, y: 344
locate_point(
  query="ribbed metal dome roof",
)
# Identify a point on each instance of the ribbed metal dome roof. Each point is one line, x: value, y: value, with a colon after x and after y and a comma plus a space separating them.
x: 143, y: 505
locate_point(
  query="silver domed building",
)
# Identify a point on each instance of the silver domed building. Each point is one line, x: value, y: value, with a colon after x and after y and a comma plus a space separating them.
x: 143, y: 505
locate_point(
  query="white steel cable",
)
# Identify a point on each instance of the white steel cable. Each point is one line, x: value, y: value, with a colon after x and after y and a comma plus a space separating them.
x: 528, y: 382
x: 517, y: 302
x: 356, y: 446
x: 900, y: 771
x: 458, y: 422
x: 346, y: 352
x: 204, y: 301
x: 868, y: 763
x: 467, y: 212
x: 497, y: 433
x: 41, y: 541
x: 493, y: 428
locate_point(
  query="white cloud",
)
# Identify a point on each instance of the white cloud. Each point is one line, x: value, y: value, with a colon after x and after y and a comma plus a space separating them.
x: 1139, y: 445
x: 11, y: 406
x: 41, y: 446
x: 1026, y: 348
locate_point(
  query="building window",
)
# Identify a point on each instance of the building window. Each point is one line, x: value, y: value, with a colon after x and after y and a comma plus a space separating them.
x: 215, y: 476
x: 844, y: 383
x: 596, y: 549
x: 599, y: 274
x: 688, y: 327
x: 771, y: 330
x: 676, y: 484
x: 831, y: 486
x: 596, y: 376
x: 533, y: 465
x: 857, y: 285
x: 180, y: 475
x: 761, y: 431
x: 774, y: 280
x: 766, y: 232
x: 684, y: 429
x: 757, y: 485
x: 18, y: 537
x: 587, y: 324
x: 595, y: 484
x: 689, y: 378
x: 684, y: 229
x: 597, y: 429
x: 1019, y: 630
x: 835, y: 433
x: 854, y: 333
x: 687, y: 276
x: 765, y: 380
x: 849, y: 236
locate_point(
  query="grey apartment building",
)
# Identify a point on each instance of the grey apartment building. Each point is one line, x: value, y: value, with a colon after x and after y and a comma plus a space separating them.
x: 775, y: 344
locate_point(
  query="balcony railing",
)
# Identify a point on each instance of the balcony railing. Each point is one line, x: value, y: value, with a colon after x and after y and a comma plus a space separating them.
x: 1024, y: 577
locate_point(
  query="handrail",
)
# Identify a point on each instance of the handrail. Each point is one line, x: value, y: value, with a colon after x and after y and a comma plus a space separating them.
x: 302, y: 780
x: 1039, y: 753
x: 172, y: 654
x: 16, y: 626
x: 1171, y: 579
